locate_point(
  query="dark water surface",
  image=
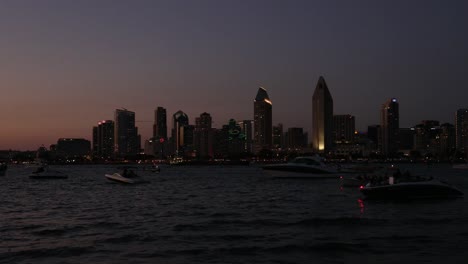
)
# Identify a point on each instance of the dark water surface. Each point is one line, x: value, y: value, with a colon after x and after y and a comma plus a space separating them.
x: 222, y: 215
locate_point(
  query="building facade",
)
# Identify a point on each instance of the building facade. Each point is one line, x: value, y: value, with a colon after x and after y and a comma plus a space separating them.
x: 389, y: 127
x: 322, y: 118
x: 344, y: 128
x: 103, y: 139
x: 203, y: 136
x: 263, y: 122
x: 126, y: 138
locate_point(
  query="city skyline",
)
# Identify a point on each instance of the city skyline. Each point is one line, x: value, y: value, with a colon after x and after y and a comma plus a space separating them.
x: 68, y: 65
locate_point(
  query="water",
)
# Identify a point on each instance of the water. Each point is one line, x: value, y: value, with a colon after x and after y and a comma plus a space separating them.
x: 222, y: 215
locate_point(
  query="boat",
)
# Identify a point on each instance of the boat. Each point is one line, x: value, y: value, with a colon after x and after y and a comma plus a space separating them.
x: 119, y: 178
x: 463, y: 166
x: 352, y: 181
x: 44, y: 173
x: 304, y: 165
x: 414, y: 188
x: 128, y: 176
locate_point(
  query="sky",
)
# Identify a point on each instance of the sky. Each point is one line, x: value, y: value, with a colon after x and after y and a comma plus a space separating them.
x: 65, y: 64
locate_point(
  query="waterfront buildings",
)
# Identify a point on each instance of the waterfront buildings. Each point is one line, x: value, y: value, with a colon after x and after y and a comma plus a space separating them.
x: 263, y: 121
x: 461, y: 130
x: 389, y: 127
x: 247, y: 129
x: 344, y: 128
x: 73, y: 147
x: 126, y: 138
x: 103, y: 139
x: 322, y: 118
x: 180, y: 133
x: 203, y: 136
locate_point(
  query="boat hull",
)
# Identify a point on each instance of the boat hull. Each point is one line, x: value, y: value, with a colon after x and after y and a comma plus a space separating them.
x: 119, y: 178
x: 432, y: 189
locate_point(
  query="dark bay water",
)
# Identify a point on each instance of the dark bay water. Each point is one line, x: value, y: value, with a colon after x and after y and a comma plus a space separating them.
x: 222, y: 215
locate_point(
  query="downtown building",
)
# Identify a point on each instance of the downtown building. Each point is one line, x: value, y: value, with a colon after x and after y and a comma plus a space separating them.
x: 103, y: 139
x: 247, y: 129
x: 389, y: 128
x: 322, y: 118
x: 461, y: 131
x: 126, y: 138
x: 263, y: 121
x: 158, y: 144
x: 203, y: 136
x: 73, y: 147
x: 344, y: 128
x: 182, y: 134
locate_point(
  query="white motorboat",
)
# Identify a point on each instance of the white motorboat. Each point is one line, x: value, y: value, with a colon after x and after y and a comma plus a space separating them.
x: 119, y: 178
x: 420, y: 188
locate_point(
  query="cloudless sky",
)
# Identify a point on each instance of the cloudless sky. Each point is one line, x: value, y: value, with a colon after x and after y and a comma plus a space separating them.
x: 65, y: 64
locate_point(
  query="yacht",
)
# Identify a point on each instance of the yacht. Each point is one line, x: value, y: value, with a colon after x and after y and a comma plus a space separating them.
x: 410, y: 189
x: 303, y: 167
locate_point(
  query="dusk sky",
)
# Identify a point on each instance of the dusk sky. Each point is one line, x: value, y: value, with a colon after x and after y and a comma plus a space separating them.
x: 65, y: 65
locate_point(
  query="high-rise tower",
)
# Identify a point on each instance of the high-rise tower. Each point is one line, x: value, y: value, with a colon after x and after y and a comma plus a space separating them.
x: 461, y: 130
x: 103, y: 140
x: 125, y: 133
x: 263, y: 122
x: 203, y: 136
x: 160, y: 124
x: 389, y: 127
x: 322, y: 117
x: 180, y: 123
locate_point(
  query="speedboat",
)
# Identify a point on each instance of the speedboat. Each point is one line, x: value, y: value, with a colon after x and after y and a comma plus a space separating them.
x: 128, y: 176
x: 119, y: 178
x: 421, y: 188
x: 46, y: 173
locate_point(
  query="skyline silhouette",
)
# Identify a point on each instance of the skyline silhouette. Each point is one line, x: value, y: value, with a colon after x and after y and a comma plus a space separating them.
x: 68, y: 65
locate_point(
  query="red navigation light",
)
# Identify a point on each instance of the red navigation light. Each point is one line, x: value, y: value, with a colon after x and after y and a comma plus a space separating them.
x: 161, y: 140
x: 361, y: 187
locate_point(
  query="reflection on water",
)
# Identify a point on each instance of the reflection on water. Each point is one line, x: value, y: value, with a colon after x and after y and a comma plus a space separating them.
x: 220, y: 215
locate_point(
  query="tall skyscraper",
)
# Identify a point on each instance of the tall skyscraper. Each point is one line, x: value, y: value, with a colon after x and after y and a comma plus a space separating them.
x: 389, y: 127
x: 125, y: 133
x: 344, y: 128
x: 322, y: 118
x: 160, y: 124
x: 263, y: 121
x: 203, y: 136
x: 180, y: 122
x: 461, y: 130
x: 103, y: 140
